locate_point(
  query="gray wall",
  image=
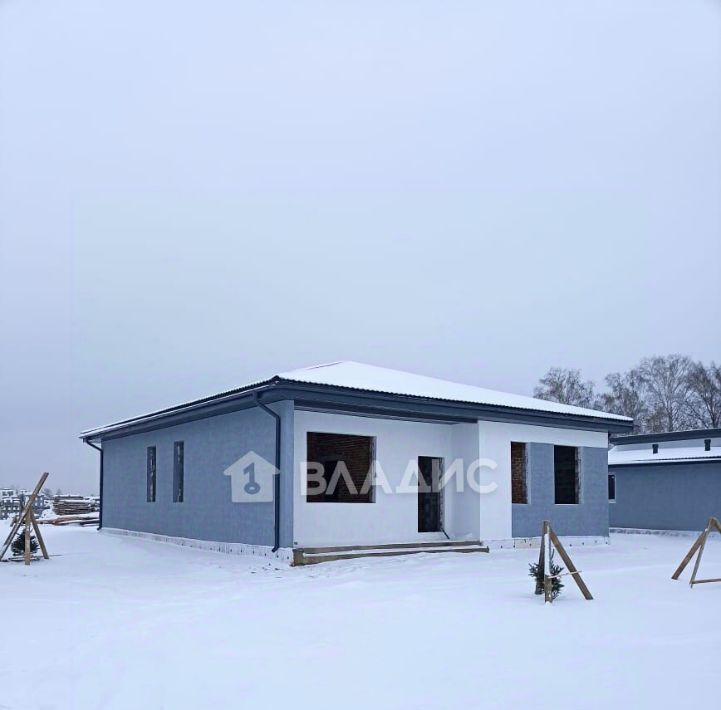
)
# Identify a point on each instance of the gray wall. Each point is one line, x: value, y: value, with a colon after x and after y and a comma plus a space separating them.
x: 679, y: 496
x: 588, y: 517
x: 207, y: 512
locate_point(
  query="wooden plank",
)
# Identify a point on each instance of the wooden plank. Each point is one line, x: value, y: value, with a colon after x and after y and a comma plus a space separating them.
x: 59, y: 520
x: 315, y: 559
x: 704, y: 537
x: 28, y: 531
x: 706, y: 581
x: 549, y: 560
x: 570, y: 566
x: 18, y: 522
x: 394, y: 546
x: 404, y: 551
x: 563, y: 574
x: 697, y: 549
x: 38, y: 534
x: 540, y: 586
x: 688, y: 557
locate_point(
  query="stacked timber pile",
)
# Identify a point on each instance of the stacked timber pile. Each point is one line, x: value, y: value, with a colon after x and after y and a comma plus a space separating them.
x: 75, y: 505
x: 74, y: 510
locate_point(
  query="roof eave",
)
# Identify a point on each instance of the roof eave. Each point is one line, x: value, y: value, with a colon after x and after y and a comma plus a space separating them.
x: 665, y: 462
x: 471, y: 410
x: 690, y: 434
x: 230, y: 396
x: 349, y: 398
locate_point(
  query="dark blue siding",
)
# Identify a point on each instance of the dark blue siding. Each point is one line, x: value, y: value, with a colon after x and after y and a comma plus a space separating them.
x: 679, y: 496
x: 587, y: 518
x: 207, y: 511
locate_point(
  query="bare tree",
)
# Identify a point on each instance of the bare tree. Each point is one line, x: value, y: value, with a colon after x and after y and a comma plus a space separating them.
x: 704, y: 397
x: 567, y: 387
x: 716, y: 374
x: 663, y: 393
x: 627, y: 396
x: 666, y: 382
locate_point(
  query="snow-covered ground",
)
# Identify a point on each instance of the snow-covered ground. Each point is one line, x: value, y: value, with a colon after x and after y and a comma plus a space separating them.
x: 111, y: 622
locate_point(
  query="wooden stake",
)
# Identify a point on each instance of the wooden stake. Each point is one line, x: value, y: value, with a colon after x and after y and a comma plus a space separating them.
x: 28, y: 530
x: 38, y: 535
x: 549, y: 537
x: 688, y: 557
x: 700, y: 553
x: 697, y: 549
x: 547, y: 581
x: 540, y: 586
x: 23, y: 516
x: 570, y: 566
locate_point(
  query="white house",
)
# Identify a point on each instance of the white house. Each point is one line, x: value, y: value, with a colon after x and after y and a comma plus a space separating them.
x: 366, y: 456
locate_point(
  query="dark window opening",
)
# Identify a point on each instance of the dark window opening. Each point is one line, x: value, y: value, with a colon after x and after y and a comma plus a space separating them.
x: 654, y: 448
x: 340, y: 468
x: 178, y: 471
x: 707, y: 444
x: 612, y: 486
x: 565, y: 470
x: 151, y: 473
x: 519, y: 486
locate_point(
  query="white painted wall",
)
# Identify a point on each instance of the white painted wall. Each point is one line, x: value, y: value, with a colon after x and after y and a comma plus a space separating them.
x: 495, y: 444
x: 463, y: 521
x: 392, y: 517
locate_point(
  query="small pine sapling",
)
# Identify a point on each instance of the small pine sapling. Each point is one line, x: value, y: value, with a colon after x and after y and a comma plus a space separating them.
x: 18, y: 544
x: 536, y: 571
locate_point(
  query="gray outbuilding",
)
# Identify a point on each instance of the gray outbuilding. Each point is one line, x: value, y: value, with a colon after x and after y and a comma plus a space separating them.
x: 666, y: 481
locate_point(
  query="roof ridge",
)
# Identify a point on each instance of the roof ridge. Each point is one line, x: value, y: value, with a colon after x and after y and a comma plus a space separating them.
x: 322, y: 364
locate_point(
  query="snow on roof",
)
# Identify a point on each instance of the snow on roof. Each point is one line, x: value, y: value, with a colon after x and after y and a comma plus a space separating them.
x: 689, y: 435
x: 369, y: 378
x: 357, y: 375
x: 618, y: 456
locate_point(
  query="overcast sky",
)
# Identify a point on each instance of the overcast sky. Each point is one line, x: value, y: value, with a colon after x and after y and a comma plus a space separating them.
x: 197, y: 194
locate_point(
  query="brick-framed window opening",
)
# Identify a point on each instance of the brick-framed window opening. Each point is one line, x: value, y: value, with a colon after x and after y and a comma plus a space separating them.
x: 151, y: 474
x: 565, y: 475
x: 347, y: 468
x: 178, y: 471
x: 519, y: 472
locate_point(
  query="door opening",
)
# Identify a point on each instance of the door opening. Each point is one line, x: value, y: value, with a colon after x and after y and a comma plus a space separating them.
x: 430, y: 474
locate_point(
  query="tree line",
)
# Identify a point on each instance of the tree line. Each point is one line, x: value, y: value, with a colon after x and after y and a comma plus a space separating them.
x: 662, y: 393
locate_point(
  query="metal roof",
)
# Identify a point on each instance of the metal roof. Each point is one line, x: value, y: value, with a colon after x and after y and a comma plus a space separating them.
x: 621, y: 439
x: 675, y: 454
x: 361, y: 378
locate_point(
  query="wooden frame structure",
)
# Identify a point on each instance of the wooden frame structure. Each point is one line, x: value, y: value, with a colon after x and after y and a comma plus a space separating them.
x: 697, y: 549
x: 27, y: 517
x: 548, y: 538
